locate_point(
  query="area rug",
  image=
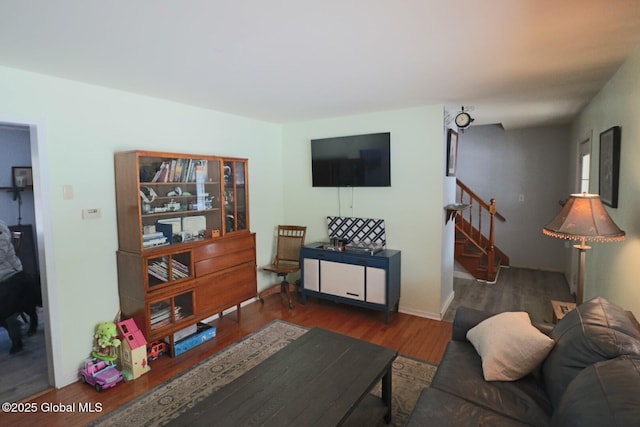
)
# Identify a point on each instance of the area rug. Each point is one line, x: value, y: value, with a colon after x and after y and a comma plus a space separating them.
x: 158, y: 407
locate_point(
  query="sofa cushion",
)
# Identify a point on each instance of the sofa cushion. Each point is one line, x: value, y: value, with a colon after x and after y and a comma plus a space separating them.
x: 509, y: 345
x: 595, y: 331
x: 603, y: 394
x: 460, y: 374
x: 437, y: 408
x: 465, y: 319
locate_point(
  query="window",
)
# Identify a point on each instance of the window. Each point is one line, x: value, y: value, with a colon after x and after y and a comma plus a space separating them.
x: 584, y: 163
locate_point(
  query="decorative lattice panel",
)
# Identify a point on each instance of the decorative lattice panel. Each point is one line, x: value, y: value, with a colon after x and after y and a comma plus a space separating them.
x: 365, y: 230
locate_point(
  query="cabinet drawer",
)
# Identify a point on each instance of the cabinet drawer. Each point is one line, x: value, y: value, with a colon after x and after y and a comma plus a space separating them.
x: 211, y: 265
x: 222, y: 290
x: 224, y: 247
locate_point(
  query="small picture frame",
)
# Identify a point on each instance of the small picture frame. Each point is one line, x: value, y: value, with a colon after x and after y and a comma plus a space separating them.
x: 22, y: 176
x: 609, y: 172
x: 452, y: 152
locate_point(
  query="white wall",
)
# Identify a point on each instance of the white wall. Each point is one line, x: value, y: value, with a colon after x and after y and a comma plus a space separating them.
x: 411, y: 207
x: 612, y: 269
x: 508, y: 164
x: 80, y: 127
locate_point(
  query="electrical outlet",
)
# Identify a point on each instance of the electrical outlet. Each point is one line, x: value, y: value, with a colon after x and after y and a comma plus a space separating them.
x: 521, y: 198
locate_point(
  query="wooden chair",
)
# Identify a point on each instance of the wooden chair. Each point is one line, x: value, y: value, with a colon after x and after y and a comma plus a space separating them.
x: 287, y: 261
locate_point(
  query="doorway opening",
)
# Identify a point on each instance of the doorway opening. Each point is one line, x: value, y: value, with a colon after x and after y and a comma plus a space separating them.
x: 29, y: 371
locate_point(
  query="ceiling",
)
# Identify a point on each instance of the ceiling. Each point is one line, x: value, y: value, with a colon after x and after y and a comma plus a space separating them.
x: 519, y: 63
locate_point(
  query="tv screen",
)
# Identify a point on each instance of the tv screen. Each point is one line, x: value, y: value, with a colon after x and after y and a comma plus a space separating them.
x: 352, y: 161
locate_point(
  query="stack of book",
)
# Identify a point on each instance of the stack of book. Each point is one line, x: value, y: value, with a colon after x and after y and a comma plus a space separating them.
x: 181, y: 170
x: 180, y: 270
x: 150, y: 240
x: 159, y: 268
x: 161, y: 314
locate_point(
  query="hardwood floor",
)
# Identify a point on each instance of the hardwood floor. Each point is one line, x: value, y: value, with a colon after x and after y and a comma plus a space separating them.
x: 24, y: 373
x: 517, y: 289
x: 412, y: 336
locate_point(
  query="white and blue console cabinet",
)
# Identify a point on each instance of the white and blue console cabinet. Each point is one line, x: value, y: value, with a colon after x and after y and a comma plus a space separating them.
x: 360, y: 279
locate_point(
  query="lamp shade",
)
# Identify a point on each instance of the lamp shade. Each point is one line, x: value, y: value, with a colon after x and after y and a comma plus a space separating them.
x: 584, y: 218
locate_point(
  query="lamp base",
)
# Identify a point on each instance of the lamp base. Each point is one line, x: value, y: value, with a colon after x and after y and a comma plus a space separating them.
x: 582, y: 249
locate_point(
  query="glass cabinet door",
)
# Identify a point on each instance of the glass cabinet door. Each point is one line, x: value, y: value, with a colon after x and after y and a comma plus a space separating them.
x: 235, y: 195
x: 170, y: 310
x: 166, y: 269
x: 180, y: 199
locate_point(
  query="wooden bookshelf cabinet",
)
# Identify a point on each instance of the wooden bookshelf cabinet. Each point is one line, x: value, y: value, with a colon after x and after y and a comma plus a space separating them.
x: 185, y: 250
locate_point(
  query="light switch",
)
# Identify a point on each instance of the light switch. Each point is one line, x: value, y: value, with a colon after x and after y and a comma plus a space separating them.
x: 91, y: 213
x: 67, y: 192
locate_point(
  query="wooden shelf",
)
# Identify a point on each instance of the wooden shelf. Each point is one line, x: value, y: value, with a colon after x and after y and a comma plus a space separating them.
x: 453, y: 209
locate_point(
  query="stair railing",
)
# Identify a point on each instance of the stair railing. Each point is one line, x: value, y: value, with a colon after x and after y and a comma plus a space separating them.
x: 471, y: 222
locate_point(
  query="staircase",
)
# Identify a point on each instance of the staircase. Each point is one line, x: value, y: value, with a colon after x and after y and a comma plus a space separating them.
x: 475, y: 246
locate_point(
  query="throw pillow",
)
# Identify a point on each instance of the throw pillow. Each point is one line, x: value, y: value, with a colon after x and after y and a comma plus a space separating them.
x: 509, y: 345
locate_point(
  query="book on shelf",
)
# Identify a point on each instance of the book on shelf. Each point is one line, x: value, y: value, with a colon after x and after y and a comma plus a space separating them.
x: 161, y: 314
x: 159, y: 276
x: 158, y: 172
x: 182, y: 170
x: 180, y: 271
x: 172, y: 171
x: 151, y: 236
x: 161, y: 241
x: 178, y: 173
x: 160, y: 270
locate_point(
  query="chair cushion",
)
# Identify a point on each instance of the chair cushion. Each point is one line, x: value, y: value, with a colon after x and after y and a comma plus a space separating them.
x: 603, y: 394
x: 509, y: 345
x: 595, y: 331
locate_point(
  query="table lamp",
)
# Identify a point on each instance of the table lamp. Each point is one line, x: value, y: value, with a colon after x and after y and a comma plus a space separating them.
x: 585, y: 219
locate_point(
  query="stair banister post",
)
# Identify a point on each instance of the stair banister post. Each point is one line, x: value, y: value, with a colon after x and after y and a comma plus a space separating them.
x: 491, y: 252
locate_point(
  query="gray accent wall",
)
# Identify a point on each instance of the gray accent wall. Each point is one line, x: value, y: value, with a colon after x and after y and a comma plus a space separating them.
x: 16, y: 151
x: 526, y: 171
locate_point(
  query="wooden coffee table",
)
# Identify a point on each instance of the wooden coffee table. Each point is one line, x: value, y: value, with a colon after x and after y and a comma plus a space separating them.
x: 320, y: 379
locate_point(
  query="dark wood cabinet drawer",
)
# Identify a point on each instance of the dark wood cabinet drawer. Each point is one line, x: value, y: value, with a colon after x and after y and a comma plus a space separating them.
x: 211, y: 265
x: 221, y: 290
x: 224, y: 246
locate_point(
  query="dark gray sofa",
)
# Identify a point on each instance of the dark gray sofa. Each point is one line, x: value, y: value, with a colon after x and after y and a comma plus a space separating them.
x: 591, y: 377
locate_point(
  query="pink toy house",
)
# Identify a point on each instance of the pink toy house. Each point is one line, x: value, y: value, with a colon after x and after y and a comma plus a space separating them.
x: 133, y: 351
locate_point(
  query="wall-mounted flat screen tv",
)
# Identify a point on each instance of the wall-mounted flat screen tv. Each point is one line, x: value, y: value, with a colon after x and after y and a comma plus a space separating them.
x: 352, y: 161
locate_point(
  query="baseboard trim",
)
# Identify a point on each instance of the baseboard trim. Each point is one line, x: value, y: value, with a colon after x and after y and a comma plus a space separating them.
x: 419, y: 313
x: 462, y: 274
x: 447, y: 303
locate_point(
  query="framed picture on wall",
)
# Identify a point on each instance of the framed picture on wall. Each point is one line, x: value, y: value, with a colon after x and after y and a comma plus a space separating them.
x: 22, y: 176
x: 452, y: 152
x: 609, y: 166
